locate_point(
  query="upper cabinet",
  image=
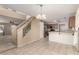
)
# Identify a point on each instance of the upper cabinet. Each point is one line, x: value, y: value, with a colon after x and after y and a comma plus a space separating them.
x: 72, y: 22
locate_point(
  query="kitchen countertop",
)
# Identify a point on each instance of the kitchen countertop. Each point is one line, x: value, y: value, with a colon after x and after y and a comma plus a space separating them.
x: 70, y: 31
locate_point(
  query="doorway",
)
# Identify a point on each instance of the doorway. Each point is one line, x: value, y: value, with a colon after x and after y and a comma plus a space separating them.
x: 5, y: 37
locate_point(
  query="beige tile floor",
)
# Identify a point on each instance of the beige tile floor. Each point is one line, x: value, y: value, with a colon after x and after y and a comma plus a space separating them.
x: 43, y: 47
x: 6, y: 43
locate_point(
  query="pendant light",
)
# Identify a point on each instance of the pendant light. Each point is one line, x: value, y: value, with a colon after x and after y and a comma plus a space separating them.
x: 41, y: 15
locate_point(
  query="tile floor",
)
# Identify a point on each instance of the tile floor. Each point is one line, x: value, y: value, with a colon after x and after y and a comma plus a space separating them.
x: 43, y: 47
x: 5, y: 43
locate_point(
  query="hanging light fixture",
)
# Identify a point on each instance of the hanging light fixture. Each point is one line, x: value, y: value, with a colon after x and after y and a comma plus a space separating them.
x: 41, y: 15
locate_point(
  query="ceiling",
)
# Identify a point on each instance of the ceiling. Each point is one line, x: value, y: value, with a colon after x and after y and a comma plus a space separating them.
x: 52, y: 11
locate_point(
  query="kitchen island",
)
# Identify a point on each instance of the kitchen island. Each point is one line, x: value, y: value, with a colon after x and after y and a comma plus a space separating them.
x: 64, y: 37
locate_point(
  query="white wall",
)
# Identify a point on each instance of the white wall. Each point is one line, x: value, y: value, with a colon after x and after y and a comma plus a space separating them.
x: 65, y: 26
x: 37, y: 29
x: 14, y: 34
x: 4, y: 20
x: 41, y: 30
x: 76, y: 36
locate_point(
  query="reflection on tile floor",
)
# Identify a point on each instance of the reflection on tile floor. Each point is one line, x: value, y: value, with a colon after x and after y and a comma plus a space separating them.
x: 41, y: 47
x: 6, y: 43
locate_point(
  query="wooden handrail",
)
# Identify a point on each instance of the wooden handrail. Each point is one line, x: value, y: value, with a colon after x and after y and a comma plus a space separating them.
x: 26, y: 21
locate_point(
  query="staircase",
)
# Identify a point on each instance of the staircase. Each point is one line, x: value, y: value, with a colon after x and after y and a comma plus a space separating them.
x: 26, y: 32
